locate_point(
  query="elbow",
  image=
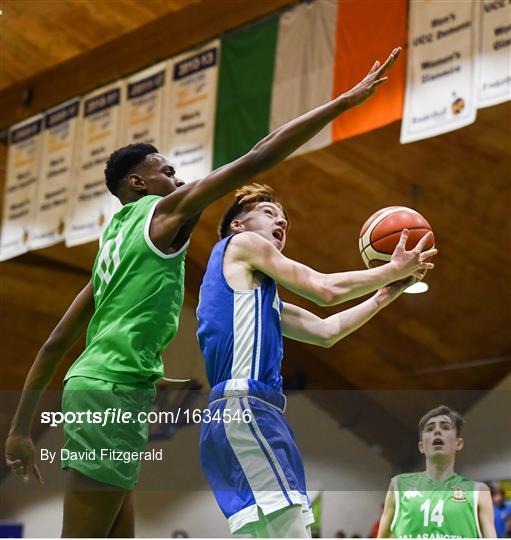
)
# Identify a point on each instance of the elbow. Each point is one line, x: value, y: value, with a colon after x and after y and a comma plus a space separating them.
x: 327, y: 340
x: 326, y: 292
x: 327, y: 343
x: 325, y: 296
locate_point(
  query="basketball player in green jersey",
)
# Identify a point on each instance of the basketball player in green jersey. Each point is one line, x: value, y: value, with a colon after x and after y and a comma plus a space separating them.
x: 130, y: 309
x: 438, y: 503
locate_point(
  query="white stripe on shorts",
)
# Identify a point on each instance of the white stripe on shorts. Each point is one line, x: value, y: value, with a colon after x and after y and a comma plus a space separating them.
x: 265, y: 487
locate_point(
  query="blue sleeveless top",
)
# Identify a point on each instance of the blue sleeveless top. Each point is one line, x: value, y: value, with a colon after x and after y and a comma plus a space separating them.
x: 239, y: 331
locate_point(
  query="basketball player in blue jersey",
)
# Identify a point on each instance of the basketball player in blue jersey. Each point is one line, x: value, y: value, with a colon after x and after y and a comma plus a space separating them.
x: 248, y: 452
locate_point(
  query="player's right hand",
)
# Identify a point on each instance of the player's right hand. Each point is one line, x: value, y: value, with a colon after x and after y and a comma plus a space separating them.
x: 413, y: 262
x: 20, y: 457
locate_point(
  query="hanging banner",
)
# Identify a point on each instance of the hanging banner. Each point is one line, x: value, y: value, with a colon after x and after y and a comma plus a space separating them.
x: 494, y: 78
x: 56, y: 175
x: 191, y: 111
x: 23, y: 159
x: 144, y: 110
x: 301, y: 62
x: 385, y: 27
x: 440, y: 88
x: 92, y: 204
x: 244, y: 91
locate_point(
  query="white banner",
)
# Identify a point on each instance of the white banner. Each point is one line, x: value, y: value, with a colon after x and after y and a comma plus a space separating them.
x: 92, y: 204
x: 23, y: 158
x: 144, y: 110
x: 440, y: 86
x: 56, y: 176
x: 494, y: 80
x: 304, y: 67
x: 191, y: 111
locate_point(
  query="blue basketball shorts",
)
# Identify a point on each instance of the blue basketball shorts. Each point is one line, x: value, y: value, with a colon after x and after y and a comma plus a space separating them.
x: 249, y: 455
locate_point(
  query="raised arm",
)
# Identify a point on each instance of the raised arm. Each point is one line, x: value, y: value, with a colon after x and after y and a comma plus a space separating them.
x: 485, y: 512
x: 302, y: 325
x: 388, y: 514
x: 328, y: 289
x: 19, y: 448
x: 274, y: 148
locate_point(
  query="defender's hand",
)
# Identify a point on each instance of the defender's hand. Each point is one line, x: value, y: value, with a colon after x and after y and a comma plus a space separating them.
x: 367, y: 86
x: 20, y: 457
x: 415, y: 261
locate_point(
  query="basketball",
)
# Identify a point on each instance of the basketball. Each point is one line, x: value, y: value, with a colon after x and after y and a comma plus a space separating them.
x: 380, y: 234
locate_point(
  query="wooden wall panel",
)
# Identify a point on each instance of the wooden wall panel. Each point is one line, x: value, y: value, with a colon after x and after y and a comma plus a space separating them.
x: 38, y: 35
x: 157, y: 40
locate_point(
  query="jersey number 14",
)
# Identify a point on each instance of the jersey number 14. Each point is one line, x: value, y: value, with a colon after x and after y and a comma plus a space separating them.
x: 436, y: 515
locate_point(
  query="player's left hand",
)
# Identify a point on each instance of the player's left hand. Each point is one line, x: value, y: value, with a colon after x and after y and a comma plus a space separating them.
x: 367, y: 86
x: 20, y: 457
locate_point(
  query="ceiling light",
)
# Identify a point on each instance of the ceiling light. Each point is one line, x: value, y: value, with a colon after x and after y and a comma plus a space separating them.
x: 416, y: 288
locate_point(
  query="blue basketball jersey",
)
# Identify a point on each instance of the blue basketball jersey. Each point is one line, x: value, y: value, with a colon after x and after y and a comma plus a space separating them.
x: 239, y: 331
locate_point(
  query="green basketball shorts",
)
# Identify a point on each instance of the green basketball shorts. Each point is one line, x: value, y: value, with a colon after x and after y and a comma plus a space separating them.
x: 103, y: 431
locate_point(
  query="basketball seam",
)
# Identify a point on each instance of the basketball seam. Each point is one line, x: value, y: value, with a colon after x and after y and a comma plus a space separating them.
x: 390, y: 234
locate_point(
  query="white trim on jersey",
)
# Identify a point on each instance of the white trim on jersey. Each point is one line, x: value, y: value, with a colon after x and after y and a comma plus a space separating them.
x: 243, y: 319
x: 258, y: 294
x: 149, y: 242
x: 396, y: 503
x: 476, y: 511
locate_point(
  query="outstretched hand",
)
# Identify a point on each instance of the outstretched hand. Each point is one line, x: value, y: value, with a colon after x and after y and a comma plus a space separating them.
x: 367, y: 86
x: 414, y: 262
x: 20, y: 457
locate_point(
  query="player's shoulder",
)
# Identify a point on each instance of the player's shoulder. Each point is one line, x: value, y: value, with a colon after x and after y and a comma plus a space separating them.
x: 146, y: 203
x: 463, y: 482
x: 135, y: 211
x: 248, y: 241
x: 407, y: 476
x: 481, y: 486
x: 406, y: 481
x: 247, y: 237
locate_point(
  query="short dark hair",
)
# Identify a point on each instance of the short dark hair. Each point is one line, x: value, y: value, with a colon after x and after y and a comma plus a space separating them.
x: 247, y: 195
x: 442, y: 410
x: 121, y: 162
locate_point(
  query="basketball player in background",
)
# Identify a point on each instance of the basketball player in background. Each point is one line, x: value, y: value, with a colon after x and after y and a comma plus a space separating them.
x: 438, y: 503
x: 130, y: 309
x: 248, y: 451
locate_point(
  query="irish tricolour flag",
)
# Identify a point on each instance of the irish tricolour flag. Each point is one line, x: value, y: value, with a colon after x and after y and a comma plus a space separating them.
x: 281, y: 67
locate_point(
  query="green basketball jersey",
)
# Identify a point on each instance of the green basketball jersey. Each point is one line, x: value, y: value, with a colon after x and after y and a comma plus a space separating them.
x: 427, y: 508
x: 138, y: 294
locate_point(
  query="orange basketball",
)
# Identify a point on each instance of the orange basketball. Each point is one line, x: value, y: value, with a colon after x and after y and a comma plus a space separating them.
x: 380, y: 234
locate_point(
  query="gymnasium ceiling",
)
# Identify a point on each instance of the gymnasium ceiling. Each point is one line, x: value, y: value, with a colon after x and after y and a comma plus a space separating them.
x: 455, y: 337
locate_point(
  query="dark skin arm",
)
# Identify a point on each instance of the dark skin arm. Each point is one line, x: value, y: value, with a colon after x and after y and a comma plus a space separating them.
x: 19, y: 448
x: 177, y: 208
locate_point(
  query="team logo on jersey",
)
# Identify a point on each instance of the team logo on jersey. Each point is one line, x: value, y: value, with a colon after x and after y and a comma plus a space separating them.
x: 458, y: 495
x: 412, y: 493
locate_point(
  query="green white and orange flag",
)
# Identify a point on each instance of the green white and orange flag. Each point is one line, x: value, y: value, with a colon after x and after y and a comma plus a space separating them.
x: 275, y: 70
